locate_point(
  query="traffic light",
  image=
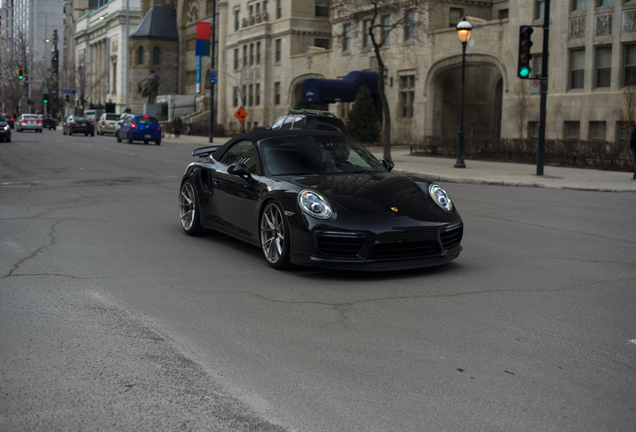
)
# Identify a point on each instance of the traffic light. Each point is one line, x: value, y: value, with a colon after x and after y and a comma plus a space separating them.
x: 21, y: 73
x: 54, y: 61
x: 524, y: 69
x: 46, y: 100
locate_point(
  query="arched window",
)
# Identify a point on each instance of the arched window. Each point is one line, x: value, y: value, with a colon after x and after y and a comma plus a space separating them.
x: 155, y: 56
x: 141, y: 56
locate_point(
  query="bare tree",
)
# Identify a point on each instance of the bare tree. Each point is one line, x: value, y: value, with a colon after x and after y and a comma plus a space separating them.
x: 371, y: 16
x: 241, y: 79
x: 15, y: 58
x: 521, y: 91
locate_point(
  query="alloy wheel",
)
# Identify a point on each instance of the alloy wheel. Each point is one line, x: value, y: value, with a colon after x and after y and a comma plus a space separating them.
x: 272, y: 233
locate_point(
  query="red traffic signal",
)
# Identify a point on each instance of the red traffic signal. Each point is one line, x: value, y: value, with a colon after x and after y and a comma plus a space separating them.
x: 523, y: 67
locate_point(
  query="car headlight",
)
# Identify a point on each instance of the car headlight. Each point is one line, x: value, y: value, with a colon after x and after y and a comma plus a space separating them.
x: 6, y: 128
x: 440, y: 197
x: 314, y: 205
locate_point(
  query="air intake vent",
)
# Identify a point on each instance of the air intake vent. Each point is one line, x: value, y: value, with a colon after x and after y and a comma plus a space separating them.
x: 340, y: 245
x: 404, y: 249
x: 452, y: 238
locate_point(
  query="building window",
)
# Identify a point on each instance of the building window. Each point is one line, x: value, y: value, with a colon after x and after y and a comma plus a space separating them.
x: 258, y: 53
x: 533, y: 129
x: 454, y: 17
x: 409, y: 29
x: 236, y: 59
x: 605, y: 2
x: 279, y: 44
x: 571, y: 129
x: 322, y: 8
x: 321, y: 43
x: 251, y: 54
x: 623, y: 131
x: 407, y: 96
x: 279, y: 9
x: 244, y: 55
x: 579, y: 4
x: 346, y: 45
x: 540, y: 9
x: 598, y: 130
x: 503, y: 14
x: 538, y: 65
x: 251, y: 10
x: 250, y: 95
x: 603, y: 66
x: 236, y: 96
x: 629, y: 75
x: 277, y: 93
x: 577, y: 69
x: 156, y: 56
x: 140, y: 58
x: 258, y: 94
x: 366, y: 35
x: 237, y: 25
x: 386, y: 29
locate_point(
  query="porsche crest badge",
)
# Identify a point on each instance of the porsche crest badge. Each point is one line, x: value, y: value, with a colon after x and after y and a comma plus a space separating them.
x: 394, y: 209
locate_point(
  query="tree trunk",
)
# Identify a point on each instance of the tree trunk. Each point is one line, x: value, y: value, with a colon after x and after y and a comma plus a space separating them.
x: 386, y: 112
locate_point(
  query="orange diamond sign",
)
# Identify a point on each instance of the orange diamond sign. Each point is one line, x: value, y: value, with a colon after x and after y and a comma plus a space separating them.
x: 240, y: 114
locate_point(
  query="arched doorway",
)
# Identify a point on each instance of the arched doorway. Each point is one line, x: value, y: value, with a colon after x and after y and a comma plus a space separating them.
x: 484, y: 87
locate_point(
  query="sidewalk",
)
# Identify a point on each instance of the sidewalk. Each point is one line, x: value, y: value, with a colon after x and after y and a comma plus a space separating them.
x: 482, y: 172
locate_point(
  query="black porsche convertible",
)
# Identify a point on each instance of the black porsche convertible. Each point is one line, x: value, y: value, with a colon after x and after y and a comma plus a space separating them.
x: 318, y: 199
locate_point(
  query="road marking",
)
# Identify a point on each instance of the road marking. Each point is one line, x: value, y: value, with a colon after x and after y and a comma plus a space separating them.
x: 633, y: 341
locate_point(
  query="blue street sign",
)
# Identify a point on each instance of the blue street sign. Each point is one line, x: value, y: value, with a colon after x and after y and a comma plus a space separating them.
x: 65, y: 91
x: 213, y: 76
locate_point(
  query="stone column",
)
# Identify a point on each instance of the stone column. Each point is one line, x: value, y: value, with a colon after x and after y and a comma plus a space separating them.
x: 220, y: 90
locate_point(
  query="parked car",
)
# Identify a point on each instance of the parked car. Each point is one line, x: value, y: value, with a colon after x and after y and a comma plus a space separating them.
x: 29, y: 122
x: 122, y: 119
x: 296, y: 196
x: 139, y: 128
x: 48, y: 121
x: 78, y: 124
x: 91, y: 114
x: 5, y: 129
x: 10, y: 119
x: 309, y: 119
x: 106, y: 123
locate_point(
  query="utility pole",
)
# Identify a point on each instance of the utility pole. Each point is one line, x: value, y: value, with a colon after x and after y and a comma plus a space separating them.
x: 29, y: 75
x: 126, y: 55
x: 68, y: 51
x: 544, y: 89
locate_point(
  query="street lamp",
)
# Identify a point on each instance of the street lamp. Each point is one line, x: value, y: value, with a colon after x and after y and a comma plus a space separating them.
x: 463, y: 31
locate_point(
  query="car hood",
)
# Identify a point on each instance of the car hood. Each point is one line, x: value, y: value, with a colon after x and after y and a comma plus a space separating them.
x: 370, y: 194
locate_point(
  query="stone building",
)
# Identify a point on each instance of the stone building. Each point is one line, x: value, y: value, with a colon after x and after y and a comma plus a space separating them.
x: 269, y: 48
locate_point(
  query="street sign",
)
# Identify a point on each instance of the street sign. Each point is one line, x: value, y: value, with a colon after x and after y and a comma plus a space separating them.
x: 67, y: 92
x: 534, y: 87
x: 240, y: 114
x: 45, y: 90
x: 213, y: 76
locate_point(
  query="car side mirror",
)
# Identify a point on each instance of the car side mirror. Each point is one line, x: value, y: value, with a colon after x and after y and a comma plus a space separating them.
x: 239, y: 169
x: 388, y: 164
x: 267, y: 127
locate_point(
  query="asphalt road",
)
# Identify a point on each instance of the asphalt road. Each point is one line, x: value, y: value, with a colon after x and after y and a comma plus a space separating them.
x: 111, y: 318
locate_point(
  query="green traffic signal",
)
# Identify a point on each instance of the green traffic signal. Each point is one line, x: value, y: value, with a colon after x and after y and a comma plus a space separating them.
x: 20, y: 73
x: 524, y: 72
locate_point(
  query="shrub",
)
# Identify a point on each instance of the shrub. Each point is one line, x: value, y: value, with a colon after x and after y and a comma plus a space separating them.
x: 362, y: 121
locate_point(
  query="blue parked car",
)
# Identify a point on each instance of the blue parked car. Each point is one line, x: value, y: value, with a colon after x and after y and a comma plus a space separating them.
x: 139, y: 128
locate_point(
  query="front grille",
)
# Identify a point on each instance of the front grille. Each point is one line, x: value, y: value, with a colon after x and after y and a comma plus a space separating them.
x: 404, y: 249
x: 340, y: 245
x: 452, y: 238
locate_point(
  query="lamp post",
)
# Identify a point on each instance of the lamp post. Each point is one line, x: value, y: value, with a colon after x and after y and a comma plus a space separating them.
x: 463, y: 31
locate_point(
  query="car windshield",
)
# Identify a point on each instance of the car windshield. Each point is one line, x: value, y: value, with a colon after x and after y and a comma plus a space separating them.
x: 84, y: 119
x: 302, y: 155
x: 112, y: 117
x: 145, y: 120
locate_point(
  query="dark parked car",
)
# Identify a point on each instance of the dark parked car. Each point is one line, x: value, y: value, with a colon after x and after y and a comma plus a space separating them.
x: 48, y: 121
x: 5, y: 129
x: 139, y: 128
x: 309, y: 119
x: 10, y: 119
x: 78, y: 124
x: 318, y: 199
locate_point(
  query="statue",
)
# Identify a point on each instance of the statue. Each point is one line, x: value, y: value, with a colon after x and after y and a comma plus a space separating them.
x: 150, y: 86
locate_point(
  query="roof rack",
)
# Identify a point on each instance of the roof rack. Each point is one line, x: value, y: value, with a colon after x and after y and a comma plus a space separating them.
x: 311, y: 111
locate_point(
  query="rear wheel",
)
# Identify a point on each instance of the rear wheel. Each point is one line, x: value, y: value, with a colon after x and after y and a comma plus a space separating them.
x: 130, y: 140
x: 146, y: 141
x: 117, y: 136
x: 158, y: 142
x: 70, y: 131
x: 274, y: 236
x: 189, y: 208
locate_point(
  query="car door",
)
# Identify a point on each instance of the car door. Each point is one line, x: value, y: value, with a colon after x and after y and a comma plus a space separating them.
x: 234, y: 197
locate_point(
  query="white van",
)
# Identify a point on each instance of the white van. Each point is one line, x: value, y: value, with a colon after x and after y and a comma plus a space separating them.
x: 91, y: 114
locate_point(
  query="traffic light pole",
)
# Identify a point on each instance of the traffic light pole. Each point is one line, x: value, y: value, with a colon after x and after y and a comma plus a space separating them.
x: 212, y: 66
x: 544, y: 88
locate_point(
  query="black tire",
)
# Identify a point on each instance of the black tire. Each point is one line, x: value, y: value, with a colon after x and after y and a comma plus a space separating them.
x: 130, y: 140
x: 158, y: 142
x: 274, y: 235
x: 93, y: 134
x: 117, y: 136
x: 189, y: 208
x: 146, y: 141
x: 70, y: 131
x: 8, y: 139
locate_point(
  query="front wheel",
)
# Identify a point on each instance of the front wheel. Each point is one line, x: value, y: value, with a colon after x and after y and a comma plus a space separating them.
x: 274, y: 236
x: 189, y: 209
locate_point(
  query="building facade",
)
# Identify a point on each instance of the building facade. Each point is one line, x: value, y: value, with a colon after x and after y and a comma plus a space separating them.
x: 269, y: 48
